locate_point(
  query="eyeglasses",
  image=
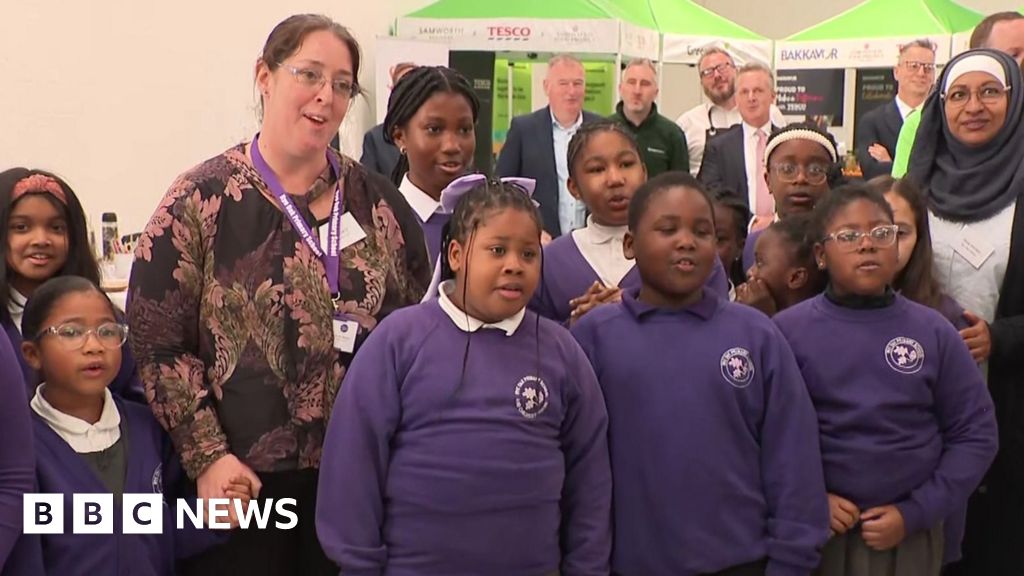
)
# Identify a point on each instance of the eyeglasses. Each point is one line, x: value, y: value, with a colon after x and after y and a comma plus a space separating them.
x: 850, y: 240
x: 315, y: 79
x: 915, y: 66
x: 988, y: 95
x: 73, y: 336
x: 787, y: 172
x: 719, y: 69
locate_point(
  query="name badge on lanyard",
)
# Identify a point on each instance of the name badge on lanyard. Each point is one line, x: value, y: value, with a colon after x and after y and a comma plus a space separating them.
x: 344, y: 328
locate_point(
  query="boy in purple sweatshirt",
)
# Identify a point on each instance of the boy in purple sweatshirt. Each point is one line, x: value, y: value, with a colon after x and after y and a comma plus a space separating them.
x: 712, y: 435
x: 470, y: 435
x: 906, y: 421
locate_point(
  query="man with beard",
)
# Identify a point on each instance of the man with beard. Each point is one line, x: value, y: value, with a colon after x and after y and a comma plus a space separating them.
x: 718, y: 79
x: 661, y: 142
x: 879, y: 129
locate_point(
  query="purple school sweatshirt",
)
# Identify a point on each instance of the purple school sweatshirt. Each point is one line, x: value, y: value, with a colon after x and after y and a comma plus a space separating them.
x: 713, y: 440
x: 567, y: 275
x: 904, y: 414
x: 503, y: 474
x: 17, y: 463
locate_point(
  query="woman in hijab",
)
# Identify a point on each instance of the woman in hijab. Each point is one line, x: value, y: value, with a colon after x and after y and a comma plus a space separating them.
x: 969, y: 159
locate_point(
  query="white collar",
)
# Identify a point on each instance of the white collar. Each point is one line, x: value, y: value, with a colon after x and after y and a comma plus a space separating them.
x: 903, y: 107
x: 79, y: 434
x: 750, y: 131
x: 467, y: 323
x: 16, y: 307
x: 556, y: 124
x: 601, y: 234
x: 420, y: 201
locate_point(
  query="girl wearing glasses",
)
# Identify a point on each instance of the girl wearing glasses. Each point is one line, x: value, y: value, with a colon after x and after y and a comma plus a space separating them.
x: 43, y: 236
x: 967, y: 160
x: 255, y: 282
x: 89, y: 441
x: 906, y: 424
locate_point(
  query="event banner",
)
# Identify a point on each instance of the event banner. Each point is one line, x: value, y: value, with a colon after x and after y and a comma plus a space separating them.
x: 817, y: 95
x: 875, y: 87
x: 478, y: 68
x: 521, y: 97
x: 516, y: 34
x: 867, y: 53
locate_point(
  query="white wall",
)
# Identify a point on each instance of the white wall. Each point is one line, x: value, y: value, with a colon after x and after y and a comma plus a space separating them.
x: 119, y: 97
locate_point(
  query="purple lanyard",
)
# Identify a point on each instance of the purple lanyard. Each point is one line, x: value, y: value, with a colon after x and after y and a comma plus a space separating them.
x: 330, y: 259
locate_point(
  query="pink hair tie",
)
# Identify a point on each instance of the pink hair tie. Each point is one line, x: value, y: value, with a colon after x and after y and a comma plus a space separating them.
x: 38, y: 183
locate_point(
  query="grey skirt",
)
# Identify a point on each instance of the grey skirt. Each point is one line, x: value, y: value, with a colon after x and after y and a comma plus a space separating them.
x: 920, y: 554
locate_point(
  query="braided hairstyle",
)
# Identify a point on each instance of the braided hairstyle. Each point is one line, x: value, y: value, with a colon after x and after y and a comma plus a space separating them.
x: 794, y: 233
x: 587, y: 131
x: 411, y: 92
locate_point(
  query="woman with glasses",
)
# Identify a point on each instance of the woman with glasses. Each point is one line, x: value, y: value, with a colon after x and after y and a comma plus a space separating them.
x: 259, y: 275
x: 967, y: 158
x: 905, y: 422
x: 90, y: 441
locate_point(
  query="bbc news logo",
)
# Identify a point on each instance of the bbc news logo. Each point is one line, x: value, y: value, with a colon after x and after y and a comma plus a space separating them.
x: 144, y: 513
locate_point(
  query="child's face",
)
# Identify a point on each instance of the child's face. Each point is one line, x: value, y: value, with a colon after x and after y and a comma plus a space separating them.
x: 863, y: 266
x: 798, y: 176
x: 69, y: 364
x: 674, y: 247
x: 727, y: 241
x: 906, y: 239
x: 499, y: 267
x: 37, y: 245
x: 607, y: 173
x: 773, y: 263
x: 439, y: 140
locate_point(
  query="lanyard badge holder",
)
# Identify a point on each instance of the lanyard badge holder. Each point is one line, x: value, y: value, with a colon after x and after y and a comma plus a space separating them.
x: 345, y: 329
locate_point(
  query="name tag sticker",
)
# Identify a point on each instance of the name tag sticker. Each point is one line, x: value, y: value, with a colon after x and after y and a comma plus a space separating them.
x: 974, y: 247
x: 351, y: 231
x: 345, y: 335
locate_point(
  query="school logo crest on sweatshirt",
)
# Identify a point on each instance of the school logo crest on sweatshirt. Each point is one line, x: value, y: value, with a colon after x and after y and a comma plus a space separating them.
x: 531, y: 396
x: 904, y: 355
x: 737, y: 367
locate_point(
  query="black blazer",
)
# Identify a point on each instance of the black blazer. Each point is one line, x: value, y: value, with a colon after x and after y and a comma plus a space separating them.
x: 529, y: 152
x: 724, y: 164
x: 378, y: 155
x: 882, y: 126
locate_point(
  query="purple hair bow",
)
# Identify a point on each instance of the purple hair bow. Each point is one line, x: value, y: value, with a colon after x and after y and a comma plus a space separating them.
x: 458, y: 188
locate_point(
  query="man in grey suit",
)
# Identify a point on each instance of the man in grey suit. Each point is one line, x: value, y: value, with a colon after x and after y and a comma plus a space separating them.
x: 537, y: 145
x: 879, y: 129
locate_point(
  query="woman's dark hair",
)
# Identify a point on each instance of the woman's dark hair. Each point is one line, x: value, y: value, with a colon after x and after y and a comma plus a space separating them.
x: 793, y: 231
x: 726, y: 198
x: 917, y: 280
x: 587, y: 131
x: 286, y: 38
x: 411, y: 92
x: 660, y: 184
x: 79, y: 262
x: 835, y: 172
x: 39, y: 306
x: 839, y: 198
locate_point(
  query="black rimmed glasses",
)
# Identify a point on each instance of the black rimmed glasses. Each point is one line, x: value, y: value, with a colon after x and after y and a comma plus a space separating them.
x: 72, y: 336
x: 850, y: 240
x: 712, y: 70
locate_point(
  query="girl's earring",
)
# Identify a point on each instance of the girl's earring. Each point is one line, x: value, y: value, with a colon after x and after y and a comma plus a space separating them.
x: 821, y: 265
x: 402, y: 150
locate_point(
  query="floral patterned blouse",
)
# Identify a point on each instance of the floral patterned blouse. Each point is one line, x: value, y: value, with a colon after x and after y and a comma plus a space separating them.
x: 231, y: 316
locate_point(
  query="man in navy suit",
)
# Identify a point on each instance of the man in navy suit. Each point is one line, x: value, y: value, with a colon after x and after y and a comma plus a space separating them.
x: 879, y: 129
x: 537, y: 145
x: 734, y: 159
x: 378, y: 155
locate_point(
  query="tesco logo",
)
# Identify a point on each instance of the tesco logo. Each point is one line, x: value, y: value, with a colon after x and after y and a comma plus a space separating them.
x: 509, y: 32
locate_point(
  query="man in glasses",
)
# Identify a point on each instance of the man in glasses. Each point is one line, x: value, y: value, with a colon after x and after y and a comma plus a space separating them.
x: 879, y: 129
x: 717, y: 71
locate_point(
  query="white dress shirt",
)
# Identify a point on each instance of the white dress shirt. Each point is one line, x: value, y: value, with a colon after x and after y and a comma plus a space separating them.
x: 79, y: 434
x: 601, y: 247
x: 698, y: 120
x: 421, y: 203
x: 467, y: 323
x: 571, y: 212
x: 904, y: 108
x: 750, y: 159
